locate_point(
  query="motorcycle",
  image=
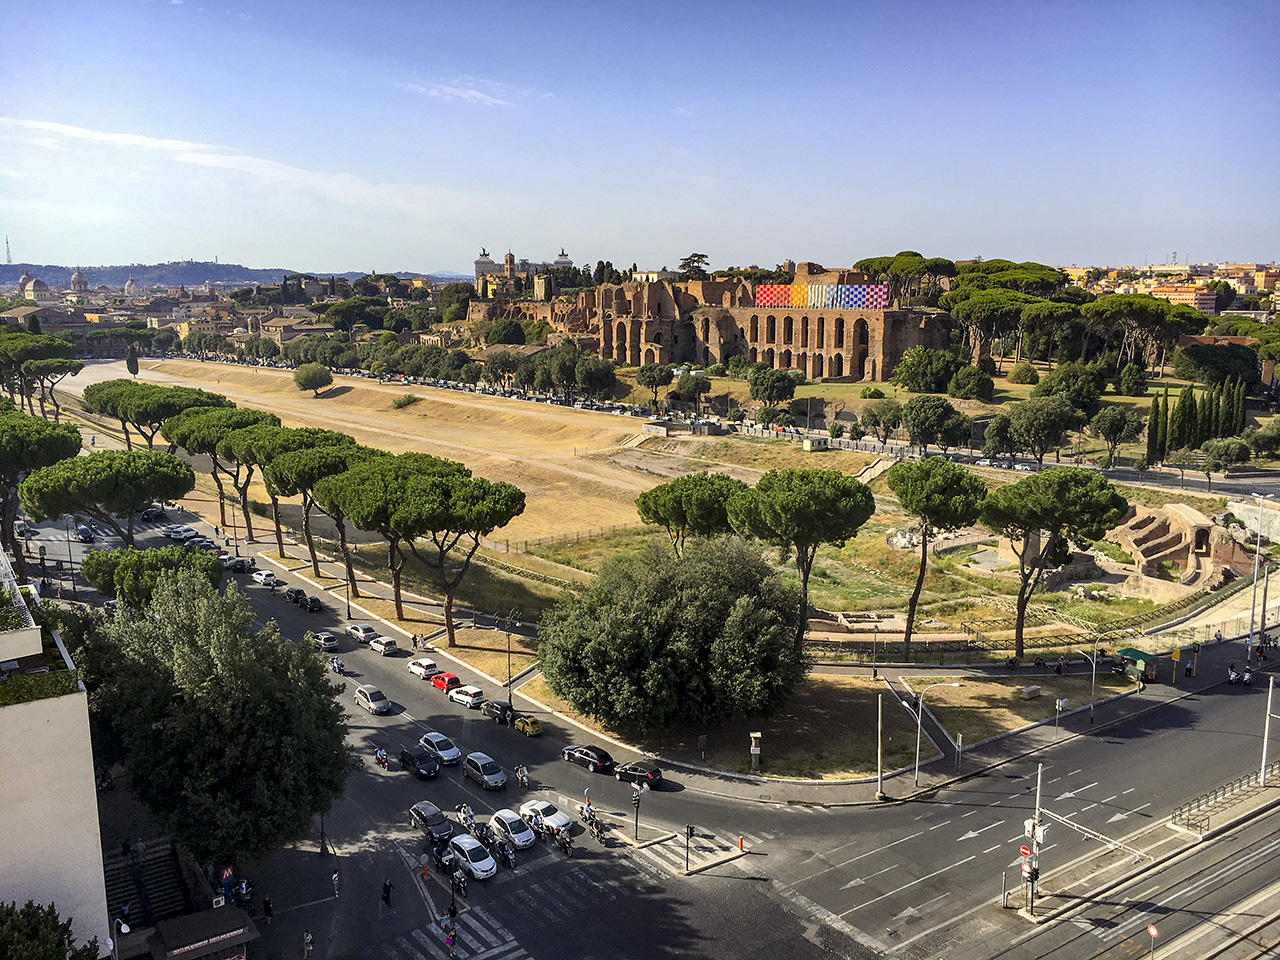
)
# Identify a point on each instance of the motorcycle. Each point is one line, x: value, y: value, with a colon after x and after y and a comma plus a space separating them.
x: 1012, y: 663
x: 1248, y: 676
x: 380, y: 759
x: 538, y: 826
x: 1232, y: 675
x: 459, y: 881
x: 1040, y: 662
x: 564, y: 841
x: 501, y: 851
x: 242, y: 893
x: 522, y: 778
x: 597, y: 829
x: 338, y: 667
x: 587, y: 814
x: 467, y: 818
x: 484, y: 833
x: 437, y: 855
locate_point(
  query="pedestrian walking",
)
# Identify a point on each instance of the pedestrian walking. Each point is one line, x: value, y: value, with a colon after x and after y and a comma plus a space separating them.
x: 1217, y: 636
x: 387, y: 887
x: 93, y: 440
x: 308, y: 943
x: 266, y: 910
x: 414, y: 640
x: 335, y: 884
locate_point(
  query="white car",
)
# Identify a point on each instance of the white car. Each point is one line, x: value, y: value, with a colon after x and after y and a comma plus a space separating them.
x: 552, y: 817
x: 510, y: 826
x: 361, y: 632
x: 383, y: 645
x: 472, y: 856
x: 264, y: 577
x: 469, y: 696
x: 423, y: 667
x: 324, y: 640
x: 1023, y: 468
x: 441, y: 747
x: 179, y: 531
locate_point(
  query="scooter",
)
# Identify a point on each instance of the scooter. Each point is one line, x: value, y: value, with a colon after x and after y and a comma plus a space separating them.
x: 1012, y: 663
x: 1040, y: 662
x: 538, y: 827
x: 1248, y: 676
x: 564, y: 841
x: 338, y: 667
x: 501, y: 851
x: 598, y: 828
x: 381, y: 760
x: 587, y: 814
x: 523, y: 780
x: 1232, y: 675
x: 467, y: 817
x: 484, y: 833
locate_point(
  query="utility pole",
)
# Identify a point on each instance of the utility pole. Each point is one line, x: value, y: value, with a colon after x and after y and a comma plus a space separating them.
x: 8, y: 257
x: 1035, y: 842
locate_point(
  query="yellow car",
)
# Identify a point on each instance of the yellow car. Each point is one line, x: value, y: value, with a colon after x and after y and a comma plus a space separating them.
x: 529, y: 726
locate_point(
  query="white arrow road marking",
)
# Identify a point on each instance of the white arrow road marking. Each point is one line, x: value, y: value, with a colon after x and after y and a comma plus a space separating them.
x: 891, y: 893
x: 973, y: 833
x: 860, y: 881
x: 1125, y: 816
x: 1072, y: 793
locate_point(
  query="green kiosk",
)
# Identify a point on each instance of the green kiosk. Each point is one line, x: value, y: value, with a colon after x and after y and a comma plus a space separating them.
x: 1135, y: 664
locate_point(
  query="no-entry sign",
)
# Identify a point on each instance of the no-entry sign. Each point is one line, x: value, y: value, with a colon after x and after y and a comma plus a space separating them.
x: 1026, y: 868
x: 1024, y: 850
x: 1153, y: 931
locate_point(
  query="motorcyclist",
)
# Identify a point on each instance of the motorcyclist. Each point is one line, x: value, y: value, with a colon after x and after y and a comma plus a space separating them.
x: 381, y: 756
x: 522, y: 775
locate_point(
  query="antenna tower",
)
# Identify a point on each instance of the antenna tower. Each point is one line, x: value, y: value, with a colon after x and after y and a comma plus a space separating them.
x: 8, y: 257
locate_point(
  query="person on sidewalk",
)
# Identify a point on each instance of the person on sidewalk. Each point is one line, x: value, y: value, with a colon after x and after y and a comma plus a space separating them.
x: 308, y: 943
x: 387, y: 887
x: 335, y: 884
x: 267, y: 910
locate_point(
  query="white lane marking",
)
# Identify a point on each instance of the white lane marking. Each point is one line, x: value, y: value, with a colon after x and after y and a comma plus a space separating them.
x: 906, y: 885
x: 942, y: 824
x: 1109, y: 799
x: 1073, y: 773
x: 969, y: 814
x: 1129, y: 791
x: 837, y: 866
x: 973, y: 833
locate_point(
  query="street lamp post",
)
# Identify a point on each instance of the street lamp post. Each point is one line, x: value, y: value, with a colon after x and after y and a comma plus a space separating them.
x: 71, y: 564
x: 347, y: 584
x: 1093, y: 676
x: 1257, y: 556
x: 875, y: 636
x: 118, y: 929
x: 511, y: 620
x: 920, y: 721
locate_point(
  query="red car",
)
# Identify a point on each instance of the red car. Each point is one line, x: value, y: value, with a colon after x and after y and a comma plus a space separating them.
x: 446, y: 681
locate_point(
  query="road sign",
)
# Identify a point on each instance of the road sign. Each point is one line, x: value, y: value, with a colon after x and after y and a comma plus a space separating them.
x: 1026, y: 869
x: 1177, y: 653
x: 227, y: 873
x: 1153, y: 931
x: 1028, y: 828
x: 1024, y: 850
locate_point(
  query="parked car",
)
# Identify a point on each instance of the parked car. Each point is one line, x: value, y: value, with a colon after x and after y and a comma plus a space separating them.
x: 500, y: 710
x: 445, y: 681
x: 418, y: 761
x: 264, y: 577
x: 423, y: 667
x: 324, y: 640
x: 593, y: 758
x: 440, y: 747
x: 84, y: 534
x: 481, y: 768
x: 529, y: 726
x: 153, y: 513
x: 554, y: 818
x: 638, y: 772
x: 372, y: 699
x: 311, y: 604
x: 294, y: 594
x: 178, y: 531
x: 361, y: 632
x: 469, y: 696
x: 384, y: 646
x: 471, y: 855
x: 430, y: 819
x: 240, y: 565
x: 510, y: 826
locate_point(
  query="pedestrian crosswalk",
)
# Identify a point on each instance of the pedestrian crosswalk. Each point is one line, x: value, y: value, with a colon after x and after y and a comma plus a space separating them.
x: 477, y: 936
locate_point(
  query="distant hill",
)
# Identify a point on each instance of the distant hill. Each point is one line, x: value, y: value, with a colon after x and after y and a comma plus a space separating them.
x: 189, y: 273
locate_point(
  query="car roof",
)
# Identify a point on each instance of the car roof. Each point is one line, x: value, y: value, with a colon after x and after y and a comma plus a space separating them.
x: 469, y: 688
x: 479, y: 757
x: 436, y: 735
x: 506, y: 813
x: 368, y: 688
x: 426, y: 806
x: 464, y: 840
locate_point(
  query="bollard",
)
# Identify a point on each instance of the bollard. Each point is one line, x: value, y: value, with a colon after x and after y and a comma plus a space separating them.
x: 739, y: 843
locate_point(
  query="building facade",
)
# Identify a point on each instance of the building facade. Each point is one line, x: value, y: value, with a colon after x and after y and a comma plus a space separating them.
x: 1202, y: 298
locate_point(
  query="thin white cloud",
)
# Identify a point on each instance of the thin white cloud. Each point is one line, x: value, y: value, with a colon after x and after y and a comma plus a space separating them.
x: 481, y: 91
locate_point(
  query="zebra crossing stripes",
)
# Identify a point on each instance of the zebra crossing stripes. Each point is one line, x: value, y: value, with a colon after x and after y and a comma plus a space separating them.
x: 670, y: 854
x: 479, y: 937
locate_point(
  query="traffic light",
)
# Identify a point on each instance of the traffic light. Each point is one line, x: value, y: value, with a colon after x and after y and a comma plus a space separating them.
x: 635, y: 799
x: 688, y: 831
x: 1034, y: 874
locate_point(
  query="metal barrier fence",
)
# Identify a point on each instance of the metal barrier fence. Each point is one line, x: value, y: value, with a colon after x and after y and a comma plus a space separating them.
x: 1193, y: 813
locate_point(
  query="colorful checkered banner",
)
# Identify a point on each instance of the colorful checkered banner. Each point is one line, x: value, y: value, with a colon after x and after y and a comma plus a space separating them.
x: 832, y: 296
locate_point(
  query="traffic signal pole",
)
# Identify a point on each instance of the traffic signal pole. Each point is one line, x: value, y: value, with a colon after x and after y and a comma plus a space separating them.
x: 1035, y: 843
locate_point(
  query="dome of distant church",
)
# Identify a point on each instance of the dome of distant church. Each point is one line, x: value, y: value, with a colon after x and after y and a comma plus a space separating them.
x: 132, y: 288
x: 78, y: 282
x: 34, y: 289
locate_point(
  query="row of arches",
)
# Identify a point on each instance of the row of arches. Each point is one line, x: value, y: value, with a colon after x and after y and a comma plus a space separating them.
x: 808, y: 331
x: 817, y: 365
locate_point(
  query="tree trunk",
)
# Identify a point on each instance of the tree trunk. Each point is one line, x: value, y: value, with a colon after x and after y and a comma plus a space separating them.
x: 222, y: 495
x: 448, y: 615
x: 306, y: 534
x: 275, y: 516
x: 346, y: 556
x: 395, y: 563
x: 128, y: 442
x: 804, y: 566
x: 915, y: 594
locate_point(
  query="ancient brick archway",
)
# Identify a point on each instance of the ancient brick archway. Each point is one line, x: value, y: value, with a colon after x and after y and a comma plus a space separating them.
x: 785, y: 362
x: 837, y: 365
x: 817, y: 366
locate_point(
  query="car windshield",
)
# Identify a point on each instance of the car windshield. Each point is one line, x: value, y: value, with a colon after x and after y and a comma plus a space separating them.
x: 376, y: 695
x: 489, y: 768
x: 419, y: 756
x: 547, y: 809
x: 435, y: 819
x: 477, y: 854
x: 444, y: 743
x: 601, y: 756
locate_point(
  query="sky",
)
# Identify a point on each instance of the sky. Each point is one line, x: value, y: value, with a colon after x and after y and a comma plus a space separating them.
x: 408, y: 134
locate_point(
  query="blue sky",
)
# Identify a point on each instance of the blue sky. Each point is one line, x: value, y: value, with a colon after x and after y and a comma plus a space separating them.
x: 397, y: 135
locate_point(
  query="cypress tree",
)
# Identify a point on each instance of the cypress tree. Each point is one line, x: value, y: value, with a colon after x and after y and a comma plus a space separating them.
x: 1164, y: 424
x: 1204, y: 426
x: 1153, y: 432
x: 1242, y: 408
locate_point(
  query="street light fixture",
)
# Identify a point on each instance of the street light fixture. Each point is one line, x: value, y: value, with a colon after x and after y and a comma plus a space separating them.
x: 1093, y: 678
x: 1257, y: 555
x: 71, y: 564
x: 119, y: 928
x: 920, y: 721
x: 510, y: 620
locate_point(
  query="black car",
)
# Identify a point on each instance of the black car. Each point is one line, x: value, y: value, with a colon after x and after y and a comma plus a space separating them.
x: 294, y: 594
x: 638, y: 773
x: 312, y: 604
x: 430, y: 819
x: 154, y: 513
x: 417, y: 761
x: 593, y: 758
x: 500, y: 710
x: 240, y: 565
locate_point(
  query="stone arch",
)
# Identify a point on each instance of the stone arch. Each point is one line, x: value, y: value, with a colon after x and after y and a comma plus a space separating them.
x: 706, y: 328
x: 817, y: 366
x: 754, y: 336
x: 802, y: 363
x: 785, y: 362
x: 861, y: 339
x: 770, y: 329
x: 822, y: 332
x: 648, y: 355
x: 768, y: 357
x: 751, y: 355
x: 788, y: 327
x: 837, y: 365
x: 633, y: 342
x: 839, y: 332
x: 804, y: 333
x: 657, y: 337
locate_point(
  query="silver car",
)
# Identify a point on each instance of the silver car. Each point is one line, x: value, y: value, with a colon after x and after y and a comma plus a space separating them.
x: 484, y: 770
x: 372, y: 699
x: 440, y: 747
